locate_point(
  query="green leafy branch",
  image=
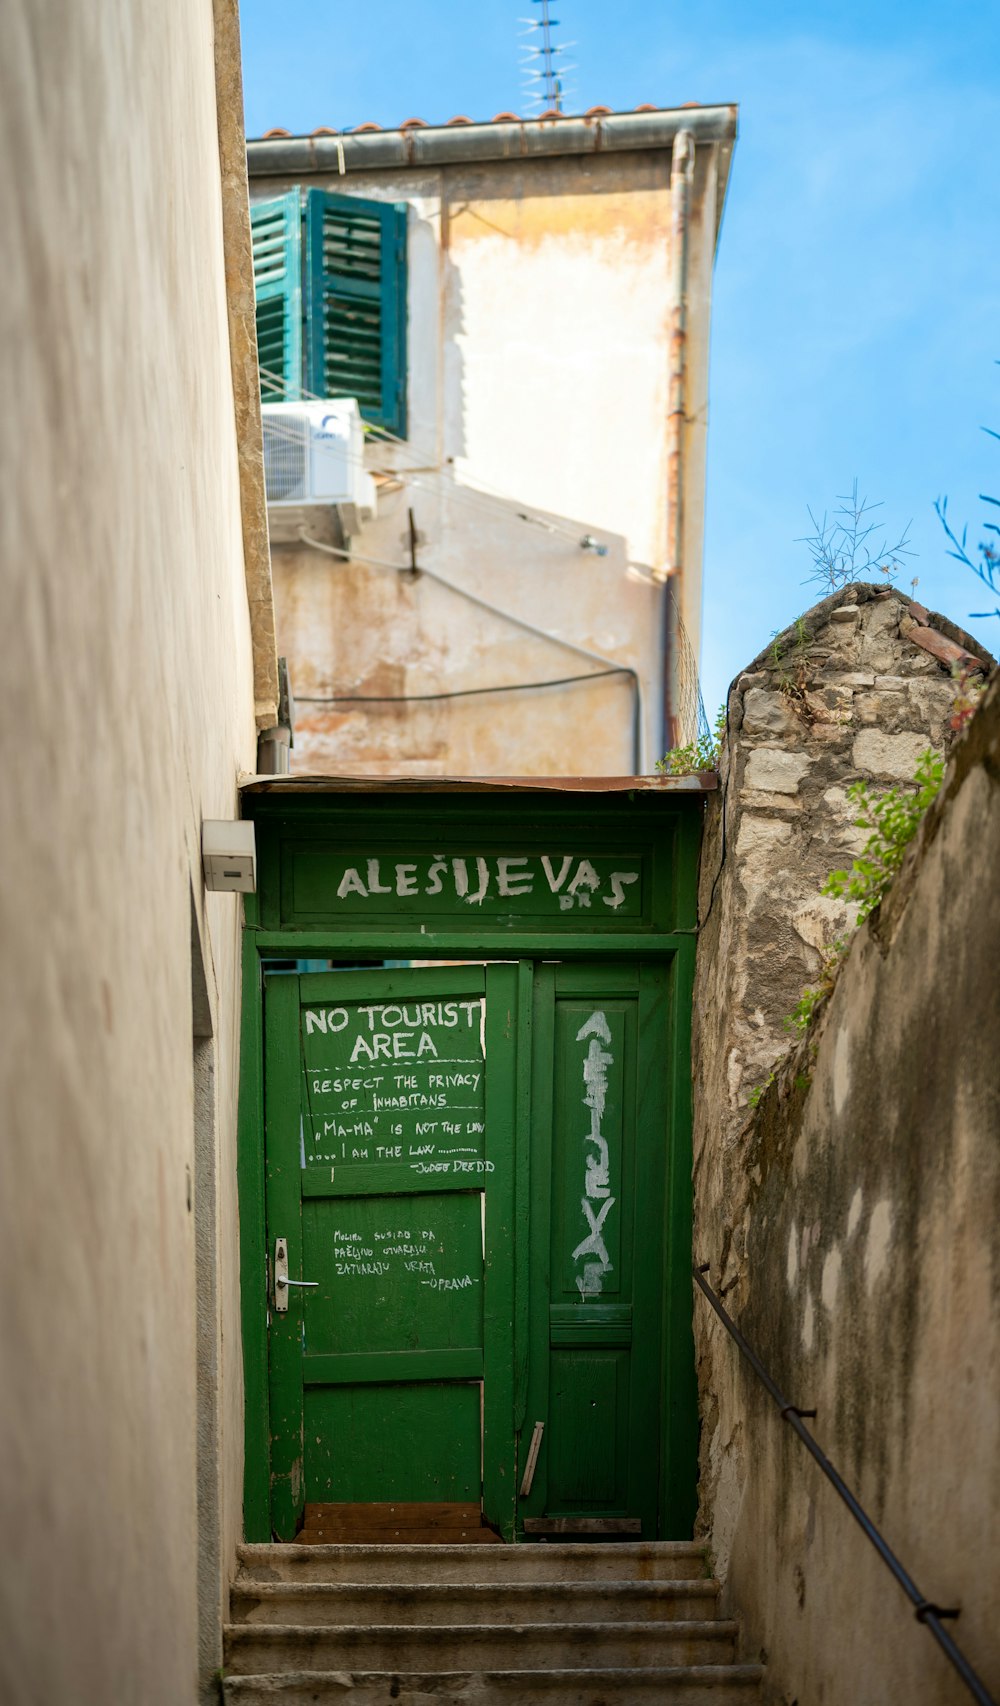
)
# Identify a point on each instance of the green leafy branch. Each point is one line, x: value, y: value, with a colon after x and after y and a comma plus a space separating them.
x: 893, y: 818
x: 801, y: 1017
x: 701, y: 754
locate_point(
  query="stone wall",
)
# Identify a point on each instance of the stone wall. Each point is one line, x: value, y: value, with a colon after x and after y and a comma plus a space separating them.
x: 851, y: 1220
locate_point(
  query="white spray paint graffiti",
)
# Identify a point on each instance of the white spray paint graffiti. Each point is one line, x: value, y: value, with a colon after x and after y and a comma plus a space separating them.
x: 597, y: 1183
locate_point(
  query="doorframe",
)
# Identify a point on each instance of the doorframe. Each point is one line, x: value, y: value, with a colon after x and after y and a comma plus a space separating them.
x: 678, y: 1393
x: 674, y: 945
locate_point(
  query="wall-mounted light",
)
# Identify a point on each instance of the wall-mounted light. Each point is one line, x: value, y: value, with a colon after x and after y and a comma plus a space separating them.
x: 229, y: 856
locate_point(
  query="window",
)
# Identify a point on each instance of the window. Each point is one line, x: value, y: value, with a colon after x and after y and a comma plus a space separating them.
x: 330, y: 278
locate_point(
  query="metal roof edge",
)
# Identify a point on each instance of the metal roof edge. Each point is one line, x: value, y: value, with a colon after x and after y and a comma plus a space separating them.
x: 703, y: 781
x: 436, y: 145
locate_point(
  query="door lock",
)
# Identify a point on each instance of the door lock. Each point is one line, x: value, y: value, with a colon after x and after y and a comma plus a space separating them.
x: 281, y: 1279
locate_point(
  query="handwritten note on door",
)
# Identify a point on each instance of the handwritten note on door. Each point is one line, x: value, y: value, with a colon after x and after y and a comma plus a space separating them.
x: 396, y: 1082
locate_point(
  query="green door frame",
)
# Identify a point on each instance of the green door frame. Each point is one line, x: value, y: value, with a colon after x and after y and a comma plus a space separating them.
x: 667, y: 827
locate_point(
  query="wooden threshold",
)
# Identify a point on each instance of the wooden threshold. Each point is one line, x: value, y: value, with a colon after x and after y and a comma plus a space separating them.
x: 582, y: 1525
x: 404, y: 1524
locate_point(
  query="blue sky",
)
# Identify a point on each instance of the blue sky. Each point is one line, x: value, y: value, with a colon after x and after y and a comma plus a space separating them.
x: 856, y: 320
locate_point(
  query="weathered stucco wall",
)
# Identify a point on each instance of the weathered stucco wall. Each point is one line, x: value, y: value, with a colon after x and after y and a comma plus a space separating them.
x: 539, y: 366
x: 852, y: 1219
x: 352, y: 629
x: 128, y: 712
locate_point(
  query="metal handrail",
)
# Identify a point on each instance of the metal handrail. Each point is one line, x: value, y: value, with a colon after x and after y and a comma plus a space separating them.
x: 925, y: 1610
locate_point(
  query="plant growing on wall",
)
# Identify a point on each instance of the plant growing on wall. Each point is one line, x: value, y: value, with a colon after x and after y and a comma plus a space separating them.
x: 701, y: 754
x: 893, y: 819
x: 853, y: 545
x: 791, y: 664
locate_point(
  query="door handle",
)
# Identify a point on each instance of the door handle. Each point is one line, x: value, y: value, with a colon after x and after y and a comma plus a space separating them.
x: 281, y: 1279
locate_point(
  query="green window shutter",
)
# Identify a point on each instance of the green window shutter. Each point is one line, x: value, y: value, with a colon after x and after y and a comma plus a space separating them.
x: 355, y: 283
x: 276, y: 228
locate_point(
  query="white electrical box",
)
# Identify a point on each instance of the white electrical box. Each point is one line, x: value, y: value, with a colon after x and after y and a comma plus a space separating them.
x: 314, y: 454
x: 229, y: 855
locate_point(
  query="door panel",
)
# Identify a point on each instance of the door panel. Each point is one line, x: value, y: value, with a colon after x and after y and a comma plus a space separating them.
x: 377, y: 1161
x: 412, y: 1441
x: 405, y: 1276
x: 588, y: 1407
x: 599, y: 1134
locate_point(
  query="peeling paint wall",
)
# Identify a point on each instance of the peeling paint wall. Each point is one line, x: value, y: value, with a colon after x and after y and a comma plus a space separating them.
x: 128, y: 712
x: 852, y: 1219
x: 539, y: 357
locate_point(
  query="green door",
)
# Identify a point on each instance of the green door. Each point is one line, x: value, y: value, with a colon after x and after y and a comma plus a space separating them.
x: 387, y: 1168
x: 476, y: 1193
x: 600, y: 1133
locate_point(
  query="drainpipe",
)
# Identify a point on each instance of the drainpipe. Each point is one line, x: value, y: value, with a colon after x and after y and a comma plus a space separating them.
x: 681, y: 177
x: 274, y: 744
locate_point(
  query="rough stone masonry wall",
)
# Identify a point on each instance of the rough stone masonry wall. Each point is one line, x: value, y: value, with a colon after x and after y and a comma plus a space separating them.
x: 852, y: 1223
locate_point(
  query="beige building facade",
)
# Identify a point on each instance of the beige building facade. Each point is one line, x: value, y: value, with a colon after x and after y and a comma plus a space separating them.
x: 140, y: 659
x: 549, y: 446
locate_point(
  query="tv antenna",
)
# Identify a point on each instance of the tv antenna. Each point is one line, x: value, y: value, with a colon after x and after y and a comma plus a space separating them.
x: 542, y: 64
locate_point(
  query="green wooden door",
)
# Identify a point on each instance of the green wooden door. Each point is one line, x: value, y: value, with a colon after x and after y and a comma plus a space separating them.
x: 600, y: 1122
x: 387, y: 1168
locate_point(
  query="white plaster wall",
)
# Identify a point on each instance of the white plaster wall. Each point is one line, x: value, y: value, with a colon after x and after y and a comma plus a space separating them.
x: 565, y: 365
x: 127, y: 711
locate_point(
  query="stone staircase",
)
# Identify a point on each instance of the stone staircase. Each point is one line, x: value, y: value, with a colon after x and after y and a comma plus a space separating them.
x: 563, y: 1625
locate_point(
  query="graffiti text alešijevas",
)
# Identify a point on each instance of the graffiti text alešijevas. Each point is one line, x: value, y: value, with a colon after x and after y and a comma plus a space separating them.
x: 574, y: 881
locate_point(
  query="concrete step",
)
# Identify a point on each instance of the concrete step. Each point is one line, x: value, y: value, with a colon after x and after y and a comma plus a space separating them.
x: 454, y: 1603
x: 675, y: 1685
x: 255, y: 1648
x: 637, y: 1561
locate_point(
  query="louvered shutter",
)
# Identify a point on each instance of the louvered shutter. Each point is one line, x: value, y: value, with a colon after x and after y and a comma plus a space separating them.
x: 276, y: 226
x: 356, y: 303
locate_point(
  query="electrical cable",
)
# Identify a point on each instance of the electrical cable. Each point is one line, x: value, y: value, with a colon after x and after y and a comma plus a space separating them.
x: 517, y: 622
x: 456, y: 693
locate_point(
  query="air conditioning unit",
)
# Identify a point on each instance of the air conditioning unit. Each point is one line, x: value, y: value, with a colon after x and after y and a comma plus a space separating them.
x: 314, y: 454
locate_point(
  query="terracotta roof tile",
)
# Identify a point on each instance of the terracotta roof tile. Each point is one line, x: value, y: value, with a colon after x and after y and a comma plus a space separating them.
x: 462, y: 118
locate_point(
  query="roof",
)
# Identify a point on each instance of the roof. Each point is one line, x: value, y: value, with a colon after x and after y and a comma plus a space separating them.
x: 701, y: 782
x: 462, y: 118
x: 462, y: 140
